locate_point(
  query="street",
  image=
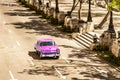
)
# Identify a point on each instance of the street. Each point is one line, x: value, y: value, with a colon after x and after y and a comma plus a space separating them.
x: 21, y: 28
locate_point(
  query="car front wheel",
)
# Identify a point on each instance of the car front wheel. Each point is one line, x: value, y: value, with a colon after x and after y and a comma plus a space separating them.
x: 37, y: 52
x: 40, y: 55
x: 56, y: 57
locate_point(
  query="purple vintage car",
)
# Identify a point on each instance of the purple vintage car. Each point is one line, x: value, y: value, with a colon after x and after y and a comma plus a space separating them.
x: 47, y: 48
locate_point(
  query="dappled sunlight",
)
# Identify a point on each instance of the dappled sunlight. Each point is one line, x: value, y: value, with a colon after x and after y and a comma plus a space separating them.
x: 40, y: 27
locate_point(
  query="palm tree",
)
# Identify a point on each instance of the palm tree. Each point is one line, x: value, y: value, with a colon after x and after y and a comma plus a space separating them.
x: 75, y: 3
x: 100, y: 25
x: 111, y: 26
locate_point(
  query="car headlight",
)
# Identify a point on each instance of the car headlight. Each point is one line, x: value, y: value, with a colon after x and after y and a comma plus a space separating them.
x: 58, y: 51
x: 41, y: 50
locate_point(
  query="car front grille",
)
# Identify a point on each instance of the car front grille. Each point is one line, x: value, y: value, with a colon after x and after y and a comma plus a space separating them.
x: 49, y: 53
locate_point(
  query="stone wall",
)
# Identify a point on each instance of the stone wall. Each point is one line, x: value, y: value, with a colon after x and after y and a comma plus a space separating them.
x: 112, y: 43
x: 51, y: 11
x: 82, y: 27
x: 115, y: 47
x: 61, y: 16
x: 71, y: 23
x: 67, y: 21
x: 105, y: 39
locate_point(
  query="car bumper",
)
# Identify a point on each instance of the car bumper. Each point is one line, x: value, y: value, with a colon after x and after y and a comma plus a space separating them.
x: 50, y: 55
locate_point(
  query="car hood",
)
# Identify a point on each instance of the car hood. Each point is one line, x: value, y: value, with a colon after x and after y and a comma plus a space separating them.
x: 49, y: 49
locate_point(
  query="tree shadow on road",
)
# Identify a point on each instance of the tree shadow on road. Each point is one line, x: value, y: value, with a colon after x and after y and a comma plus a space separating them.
x: 46, y: 70
x: 68, y: 46
x: 79, y: 53
x: 20, y: 12
x: 86, y: 63
x: 41, y: 27
x: 9, y: 4
x: 100, y: 76
x: 86, y: 53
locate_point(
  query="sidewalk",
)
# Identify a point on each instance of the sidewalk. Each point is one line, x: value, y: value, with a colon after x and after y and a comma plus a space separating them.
x: 97, y: 14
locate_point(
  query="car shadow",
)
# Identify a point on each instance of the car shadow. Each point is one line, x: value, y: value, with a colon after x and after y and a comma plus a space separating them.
x: 35, y: 56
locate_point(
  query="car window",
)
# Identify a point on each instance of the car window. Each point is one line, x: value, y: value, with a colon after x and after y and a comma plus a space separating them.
x: 47, y: 43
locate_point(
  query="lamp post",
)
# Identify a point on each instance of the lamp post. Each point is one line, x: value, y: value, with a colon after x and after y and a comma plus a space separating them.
x: 89, y: 18
x: 111, y: 26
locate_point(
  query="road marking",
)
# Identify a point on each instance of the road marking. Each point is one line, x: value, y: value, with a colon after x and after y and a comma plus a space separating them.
x: 18, y: 43
x: 65, y: 60
x: 61, y: 76
x: 6, y: 47
x: 9, y: 31
x: 31, y: 62
x: 14, y: 46
x: 11, y: 75
x: 102, y: 72
x: 4, y: 22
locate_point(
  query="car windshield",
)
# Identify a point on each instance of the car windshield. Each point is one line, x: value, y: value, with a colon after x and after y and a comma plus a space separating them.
x: 47, y: 43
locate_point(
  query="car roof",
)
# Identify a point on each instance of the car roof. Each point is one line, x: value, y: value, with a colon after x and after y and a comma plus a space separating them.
x: 45, y: 40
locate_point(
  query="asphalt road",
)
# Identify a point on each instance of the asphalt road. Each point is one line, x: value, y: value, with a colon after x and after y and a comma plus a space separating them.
x: 20, y: 28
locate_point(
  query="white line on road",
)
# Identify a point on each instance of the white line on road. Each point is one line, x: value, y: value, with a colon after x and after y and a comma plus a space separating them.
x: 102, y: 72
x: 18, y: 43
x: 61, y: 76
x: 9, y: 31
x: 11, y: 75
x: 4, y: 22
x: 66, y: 60
x: 31, y: 62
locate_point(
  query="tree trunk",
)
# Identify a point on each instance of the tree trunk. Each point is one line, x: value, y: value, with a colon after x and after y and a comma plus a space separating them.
x: 100, y: 26
x: 43, y: 2
x: 79, y: 11
x: 56, y: 8
x: 50, y: 3
x: 89, y: 17
x: 73, y: 6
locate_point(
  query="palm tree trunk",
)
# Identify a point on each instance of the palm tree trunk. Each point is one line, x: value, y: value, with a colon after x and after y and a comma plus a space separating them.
x: 100, y: 26
x: 89, y: 18
x: 56, y: 8
x: 73, y: 7
x: 79, y: 11
x: 50, y: 3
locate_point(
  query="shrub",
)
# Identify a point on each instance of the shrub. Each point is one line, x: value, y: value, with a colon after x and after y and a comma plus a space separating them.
x: 101, y: 48
x: 53, y: 21
x: 104, y: 53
